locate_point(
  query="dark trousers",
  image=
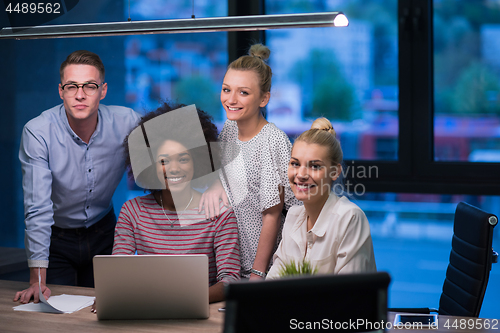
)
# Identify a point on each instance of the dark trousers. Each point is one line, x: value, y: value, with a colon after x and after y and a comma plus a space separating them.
x: 72, y: 250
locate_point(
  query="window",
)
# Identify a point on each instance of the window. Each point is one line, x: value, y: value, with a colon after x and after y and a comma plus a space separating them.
x: 412, y: 236
x: 412, y: 190
x: 400, y: 68
x: 467, y: 81
x: 348, y: 75
x: 140, y: 71
x: 30, y: 78
x: 188, y: 68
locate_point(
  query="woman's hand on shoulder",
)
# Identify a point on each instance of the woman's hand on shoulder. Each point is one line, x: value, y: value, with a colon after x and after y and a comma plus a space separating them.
x: 210, y: 200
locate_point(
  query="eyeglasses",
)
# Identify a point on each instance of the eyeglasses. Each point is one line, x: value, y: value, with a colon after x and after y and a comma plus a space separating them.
x: 89, y: 88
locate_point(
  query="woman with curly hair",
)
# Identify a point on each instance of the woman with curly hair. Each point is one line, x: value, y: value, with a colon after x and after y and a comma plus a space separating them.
x: 168, y: 154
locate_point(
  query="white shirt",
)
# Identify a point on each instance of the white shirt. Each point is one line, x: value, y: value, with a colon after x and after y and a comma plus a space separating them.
x: 339, y: 242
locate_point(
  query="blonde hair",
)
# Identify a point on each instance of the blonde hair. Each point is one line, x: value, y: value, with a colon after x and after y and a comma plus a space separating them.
x: 323, y: 134
x: 255, y: 61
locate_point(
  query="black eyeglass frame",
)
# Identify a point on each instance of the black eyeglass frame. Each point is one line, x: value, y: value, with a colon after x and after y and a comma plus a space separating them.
x: 82, y: 85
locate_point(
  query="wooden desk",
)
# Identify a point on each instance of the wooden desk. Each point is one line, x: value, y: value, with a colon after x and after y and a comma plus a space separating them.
x: 86, y: 322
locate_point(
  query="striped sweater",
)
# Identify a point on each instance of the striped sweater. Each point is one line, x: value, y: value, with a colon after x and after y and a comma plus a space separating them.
x: 143, y: 227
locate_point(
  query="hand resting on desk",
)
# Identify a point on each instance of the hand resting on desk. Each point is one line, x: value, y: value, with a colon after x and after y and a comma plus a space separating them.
x: 32, y: 291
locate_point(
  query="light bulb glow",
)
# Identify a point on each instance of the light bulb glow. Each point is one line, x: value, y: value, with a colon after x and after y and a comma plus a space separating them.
x: 341, y: 21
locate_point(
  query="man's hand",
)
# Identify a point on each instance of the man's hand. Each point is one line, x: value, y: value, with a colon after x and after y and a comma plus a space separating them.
x: 210, y: 200
x: 32, y: 292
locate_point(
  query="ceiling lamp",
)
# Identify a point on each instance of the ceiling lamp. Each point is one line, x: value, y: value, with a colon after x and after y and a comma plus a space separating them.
x: 210, y: 24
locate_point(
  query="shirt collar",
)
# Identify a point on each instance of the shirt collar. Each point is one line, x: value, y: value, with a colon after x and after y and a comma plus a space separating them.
x: 325, y: 216
x: 76, y: 138
x: 98, y: 127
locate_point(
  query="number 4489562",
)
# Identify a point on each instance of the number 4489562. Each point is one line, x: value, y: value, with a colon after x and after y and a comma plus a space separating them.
x: 471, y: 324
x: 34, y: 8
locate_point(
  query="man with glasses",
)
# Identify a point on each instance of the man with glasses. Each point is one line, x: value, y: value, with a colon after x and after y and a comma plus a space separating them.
x: 72, y: 159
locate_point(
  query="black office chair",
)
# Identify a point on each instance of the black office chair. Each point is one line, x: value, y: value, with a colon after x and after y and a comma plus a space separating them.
x: 470, y: 264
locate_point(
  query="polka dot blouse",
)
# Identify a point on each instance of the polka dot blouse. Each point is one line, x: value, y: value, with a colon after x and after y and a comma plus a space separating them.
x: 252, y: 173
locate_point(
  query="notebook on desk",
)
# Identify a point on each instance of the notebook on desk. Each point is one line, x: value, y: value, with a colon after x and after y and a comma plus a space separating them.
x: 151, y: 286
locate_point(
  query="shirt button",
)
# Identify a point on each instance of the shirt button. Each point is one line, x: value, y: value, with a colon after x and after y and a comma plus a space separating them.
x: 88, y: 207
x: 90, y: 190
x: 90, y: 170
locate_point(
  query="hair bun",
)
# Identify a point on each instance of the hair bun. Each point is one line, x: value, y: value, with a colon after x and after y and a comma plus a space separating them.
x: 259, y: 51
x: 324, y: 124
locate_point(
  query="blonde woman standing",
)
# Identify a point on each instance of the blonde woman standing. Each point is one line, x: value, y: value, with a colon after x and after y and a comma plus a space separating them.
x: 255, y: 155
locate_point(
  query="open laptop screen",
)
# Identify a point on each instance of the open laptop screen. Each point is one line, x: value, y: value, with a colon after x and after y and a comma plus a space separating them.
x: 151, y: 286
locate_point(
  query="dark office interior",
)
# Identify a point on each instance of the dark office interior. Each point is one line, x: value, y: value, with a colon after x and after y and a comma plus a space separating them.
x: 412, y: 86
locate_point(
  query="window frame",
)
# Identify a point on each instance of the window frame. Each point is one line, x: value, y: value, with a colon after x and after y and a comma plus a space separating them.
x: 416, y: 84
x: 415, y: 171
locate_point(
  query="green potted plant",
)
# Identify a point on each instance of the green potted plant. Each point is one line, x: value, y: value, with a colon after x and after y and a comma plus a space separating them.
x: 293, y: 268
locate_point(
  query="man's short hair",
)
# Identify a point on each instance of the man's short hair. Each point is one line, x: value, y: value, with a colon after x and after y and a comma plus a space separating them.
x: 83, y: 57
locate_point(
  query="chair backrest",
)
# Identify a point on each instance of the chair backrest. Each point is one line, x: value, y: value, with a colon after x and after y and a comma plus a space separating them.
x: 351, y: 302
x: 470, y: 262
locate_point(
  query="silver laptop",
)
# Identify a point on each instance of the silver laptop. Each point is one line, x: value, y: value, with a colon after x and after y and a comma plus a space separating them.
x: 151, y: 286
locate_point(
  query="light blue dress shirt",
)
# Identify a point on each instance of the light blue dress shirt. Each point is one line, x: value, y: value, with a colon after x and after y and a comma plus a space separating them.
x: 67, y: 182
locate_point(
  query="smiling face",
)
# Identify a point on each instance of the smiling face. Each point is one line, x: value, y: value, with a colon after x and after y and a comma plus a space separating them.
x: 311, y: 172
x: 174, y: 166
x: 241, y: 95
x: 81, y: 107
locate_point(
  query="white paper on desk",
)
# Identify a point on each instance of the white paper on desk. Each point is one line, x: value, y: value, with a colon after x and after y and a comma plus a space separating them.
x: 58, y: 304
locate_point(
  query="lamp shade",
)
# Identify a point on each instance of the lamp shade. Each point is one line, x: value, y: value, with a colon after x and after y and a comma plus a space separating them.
x: 191, y: 25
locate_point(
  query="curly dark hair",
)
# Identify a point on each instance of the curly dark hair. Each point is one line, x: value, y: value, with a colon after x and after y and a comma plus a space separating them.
x: 209, y: 131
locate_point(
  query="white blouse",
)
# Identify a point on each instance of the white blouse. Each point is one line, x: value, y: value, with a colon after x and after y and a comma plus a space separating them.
x: 339, y: 242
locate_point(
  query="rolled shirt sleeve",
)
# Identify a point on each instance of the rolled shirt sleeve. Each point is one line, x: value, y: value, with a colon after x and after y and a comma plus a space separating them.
x: 37, y: 203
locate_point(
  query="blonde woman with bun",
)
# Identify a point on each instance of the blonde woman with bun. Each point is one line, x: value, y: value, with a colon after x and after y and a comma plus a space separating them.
x: 329, y: 232
x: 255, y: 155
